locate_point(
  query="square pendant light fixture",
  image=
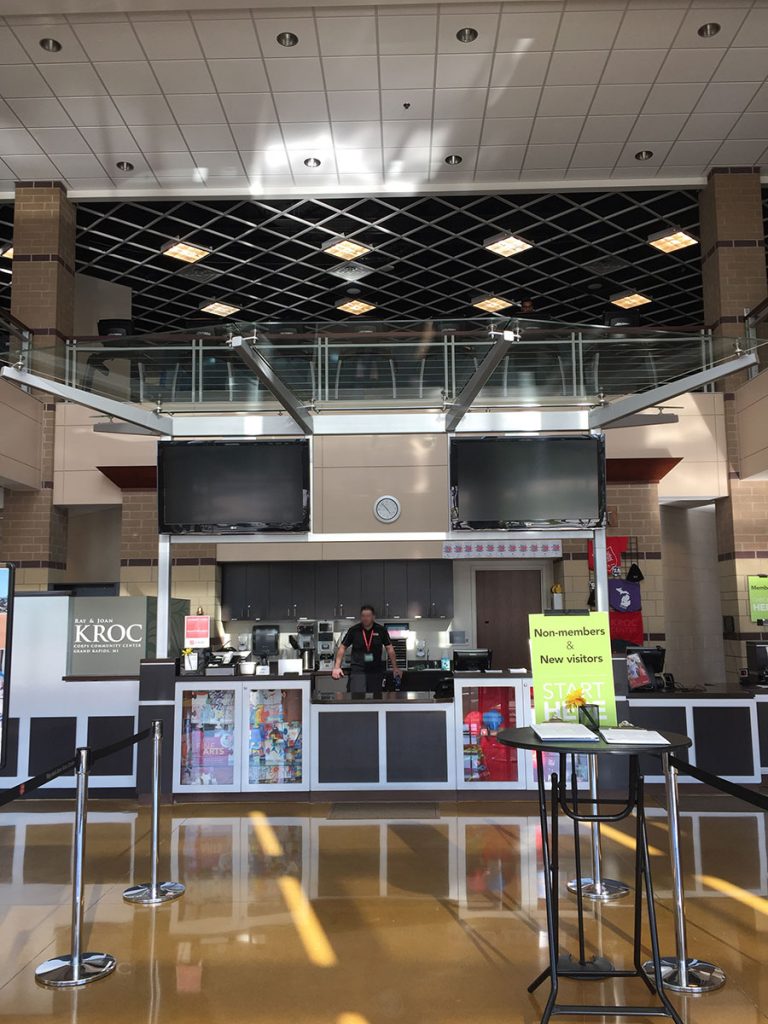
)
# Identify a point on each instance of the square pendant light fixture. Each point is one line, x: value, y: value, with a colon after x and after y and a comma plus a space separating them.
x: 354, y: 306
x: 345, y: 248
x: 220, y: 308
x: 184, y: 251
x: 671, y: 239
x: 6, y: 251
x: 506, y: 244
x: 492, y: 303
x: 629, y: 299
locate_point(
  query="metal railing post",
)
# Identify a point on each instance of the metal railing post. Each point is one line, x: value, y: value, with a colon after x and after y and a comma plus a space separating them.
x: 681, y: 973
x: 596, y: 887
x: 76, y: 968
x: 154, y: 892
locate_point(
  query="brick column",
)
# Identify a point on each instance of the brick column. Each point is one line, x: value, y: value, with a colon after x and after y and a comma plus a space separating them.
x: 734, y: 278
x: 42, y: 297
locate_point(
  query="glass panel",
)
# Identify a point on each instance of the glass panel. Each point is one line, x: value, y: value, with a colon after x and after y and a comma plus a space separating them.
x: 552, y: 764
x: 207, y: 738
x: 485, y: 711
x: 276, y: 737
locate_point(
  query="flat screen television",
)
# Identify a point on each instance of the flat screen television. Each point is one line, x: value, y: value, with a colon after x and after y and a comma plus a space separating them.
x: 6, y: 631
x: 226, y: 487
x: 520, y: 483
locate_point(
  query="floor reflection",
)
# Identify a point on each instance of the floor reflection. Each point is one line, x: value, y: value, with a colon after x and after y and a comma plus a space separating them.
x: 302, y: 917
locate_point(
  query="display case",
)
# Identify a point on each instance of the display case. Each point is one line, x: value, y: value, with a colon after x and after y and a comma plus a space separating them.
x: 206, y: 752
x: 275, y: 736
x: 484, y: 706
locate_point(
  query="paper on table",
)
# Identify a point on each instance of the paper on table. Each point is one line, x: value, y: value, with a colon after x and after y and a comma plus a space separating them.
x: 639, y: 736
x: 565, y: 732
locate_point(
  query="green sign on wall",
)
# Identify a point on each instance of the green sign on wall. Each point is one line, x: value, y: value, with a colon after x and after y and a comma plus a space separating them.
x: 571, y: 664
x: 758, y: 597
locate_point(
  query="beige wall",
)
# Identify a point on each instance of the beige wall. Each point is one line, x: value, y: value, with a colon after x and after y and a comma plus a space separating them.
x: 98, y: 300
x: 93, y: 546
x: 752, y: 423
x: 21, y: 418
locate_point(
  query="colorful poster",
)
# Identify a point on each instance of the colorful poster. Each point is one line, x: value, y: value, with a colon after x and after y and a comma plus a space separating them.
x: 571, y: 666
x: 758, y: 598
x: 197, y: 631
x: 275, y: 755
x: 6, y: 616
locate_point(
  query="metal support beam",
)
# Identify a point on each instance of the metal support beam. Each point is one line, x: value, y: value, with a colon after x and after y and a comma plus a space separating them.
x: 602, y: 416
x: 126, y: 411
x: 163, y: 611
x: 478, y: 380
x: 258, y: 365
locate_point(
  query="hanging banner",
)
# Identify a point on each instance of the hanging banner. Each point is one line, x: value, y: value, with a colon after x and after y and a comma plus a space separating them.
x: 615, y: 548
x: 6, y: 628
x: 571, y: 666
x: 758, y: 597
x: 503, y: 549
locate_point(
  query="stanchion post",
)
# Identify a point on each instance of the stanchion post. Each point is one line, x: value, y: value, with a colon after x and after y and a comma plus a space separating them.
x: 596, y: 887
x: 154, y: 892
x: 681, y: 973
x: 71, y: 970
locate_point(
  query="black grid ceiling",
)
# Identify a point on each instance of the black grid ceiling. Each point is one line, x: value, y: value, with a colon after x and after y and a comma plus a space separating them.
x: 428, y: 260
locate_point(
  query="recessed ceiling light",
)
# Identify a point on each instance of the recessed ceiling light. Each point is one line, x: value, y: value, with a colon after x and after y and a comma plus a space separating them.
x: 124, y: 165
x: 354, y: 306
x: 50, y: 45
x: 453, y: 159
x: 506, y: 244
x: 220, y: 308
x: 287, y: 38
x: 345, y: 248
x: 311, y: 161
x: 6, y: 251
x: 184, y: 251
x: 708, y: 29
x: 628, y: 299
x: 492, y: 303
x: 671, y: 239
x: 644, y: 154
x: 467, y: 35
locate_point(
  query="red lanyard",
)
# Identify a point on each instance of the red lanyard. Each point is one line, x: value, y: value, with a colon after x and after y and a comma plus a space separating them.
x: 368, y: 640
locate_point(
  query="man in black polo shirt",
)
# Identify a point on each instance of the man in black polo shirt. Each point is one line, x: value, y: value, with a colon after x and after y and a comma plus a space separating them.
x: 368, y: 640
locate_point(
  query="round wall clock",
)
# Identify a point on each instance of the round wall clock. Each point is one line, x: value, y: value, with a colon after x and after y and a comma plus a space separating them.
x: 386, y: 508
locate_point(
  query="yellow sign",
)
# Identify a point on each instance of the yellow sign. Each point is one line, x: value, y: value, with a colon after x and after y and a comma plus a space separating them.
x: 571, y: 666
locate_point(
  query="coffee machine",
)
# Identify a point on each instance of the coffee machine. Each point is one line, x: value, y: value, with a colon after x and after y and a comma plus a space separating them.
x: 325, y: 646
x: 305, y: 640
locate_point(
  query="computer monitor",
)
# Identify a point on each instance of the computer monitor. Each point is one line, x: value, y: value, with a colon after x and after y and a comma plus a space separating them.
x: 652, y: 658
x: 475, y: 660
x: 265, y: 641
x: 757, y: 656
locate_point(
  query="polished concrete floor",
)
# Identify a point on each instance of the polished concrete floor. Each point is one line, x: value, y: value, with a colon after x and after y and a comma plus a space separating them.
x: 294, y: 915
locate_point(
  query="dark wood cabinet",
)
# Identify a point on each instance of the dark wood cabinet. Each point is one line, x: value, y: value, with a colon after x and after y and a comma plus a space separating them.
x: 395, y: 590
x: 349, y: 594
x: 257, y: 591
x: 280, y: 591
x: 234, y: 600
x: 326, y: 590
x: 303, y: 590
x: 372, y: 586
x: 417, y: 579
x: 441, y: 588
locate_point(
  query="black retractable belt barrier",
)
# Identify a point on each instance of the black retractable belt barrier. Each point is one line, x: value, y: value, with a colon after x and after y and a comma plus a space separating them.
x: 97, y: 755
x: 731, y: 788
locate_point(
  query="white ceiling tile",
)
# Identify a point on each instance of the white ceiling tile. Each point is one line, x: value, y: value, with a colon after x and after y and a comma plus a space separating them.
x: 746, y: 64
x: 197, y: 109
x: 313, y: 175
x: 585, y: 173
x: 751, y: 126
x: 596, y: 154
x: 351, y: 106
x: 760, y: 102
x: 740, y: 151
x: 556, y: 129
x: 729, y: 18
x: 301, y: 106
x: 249, y: 107
x: 357, y: 134
x: 607, y: 128
x: 224, y: 164
x: 350, y: 73
x: 659, y: 150
x: 466, y: 70
x: 168, y: 40
x: 60, y: 140
x: 707, y: 126
x: 128, y: 77
x: 111, y: 41
x: 690, y: 65
x: 450, y: 103
x: 461, y: 132
x: 619, y: 99
x: 30, y: 36
x: 109, y: 139
x: 726, y: 97
x: 754, y: 29
x: 254, y: 137
x: 440, y: 174
x: 566, y: 99
x: 399, y: 161
x: 9, y: 120
x: 181, y: 178
x: 143, y: 109
x: 165, y: 138
x: 500, y: 158
x: 648, y: 29
x: 262, y: 184
x: 17, y: 140
x: 406, y: 33
x: 679, y: 98
x: 527, y: 31
x: 228, y: 38
x: 352, y: 36
x: 689, y: 153
x: 413, y: 134
x: 140, y: 165
x: 365, y: 161
x: 270, y: 28
x: 576, y: 67
x: 92, y: 110
x: 40, y: 112
x: 369, y: 181
x: 517, y: 102
x: 588, y: 30
x: 407, y: 72
x: 520, y: 68
x: 451, y: 23
x: 217, y: 181
x: 104, y: 183
x: 664, y: 127
x: 236, y: 76
x: 207, y: 137
x: 440, y: 151
x: 507, y: 131
x: 31, y: 166
x: 77, y: 166
x: 633, y: 67
x: 11, y: 50
x: 292, y: 75
x: 554, y: 157
x: 266, y: 161
x: 311, y: 136
x: 18, y: 80
x: 170, y: 163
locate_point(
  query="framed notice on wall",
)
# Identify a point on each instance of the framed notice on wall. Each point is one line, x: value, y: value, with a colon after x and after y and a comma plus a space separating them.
x: 758, y: 598
x: 6, y: 630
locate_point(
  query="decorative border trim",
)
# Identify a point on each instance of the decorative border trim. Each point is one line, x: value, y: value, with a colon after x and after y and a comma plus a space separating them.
x: 43, y: 257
